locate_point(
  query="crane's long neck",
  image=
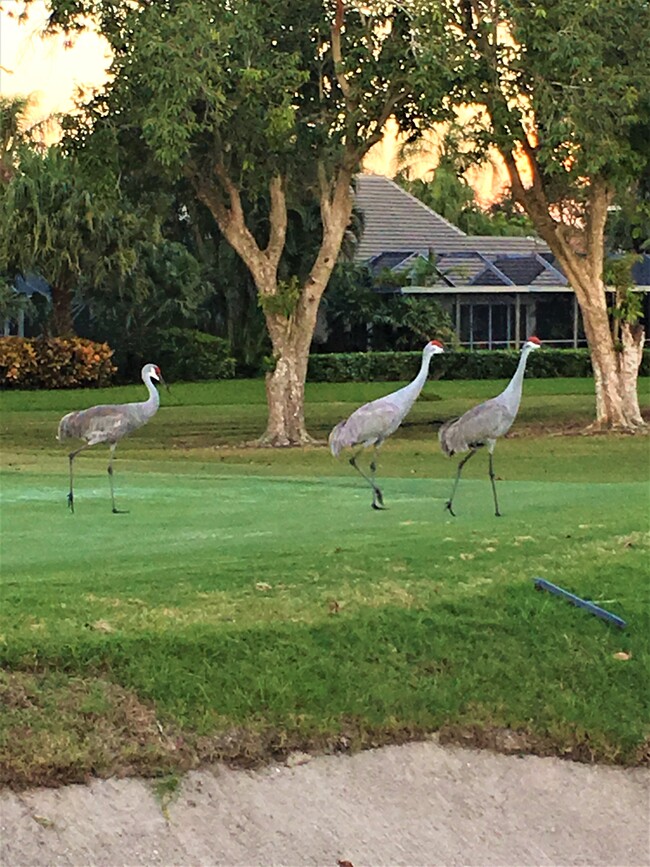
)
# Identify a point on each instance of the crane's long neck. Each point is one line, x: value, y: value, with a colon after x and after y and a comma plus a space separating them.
x: 412, y: 391
x: 512, y: 393
x: 150, y: 406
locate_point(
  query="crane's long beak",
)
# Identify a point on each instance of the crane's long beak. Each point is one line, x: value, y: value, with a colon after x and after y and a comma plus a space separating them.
x: 162, y: 382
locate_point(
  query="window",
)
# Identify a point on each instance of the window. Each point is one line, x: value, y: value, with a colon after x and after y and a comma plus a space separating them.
x: 487, y: 325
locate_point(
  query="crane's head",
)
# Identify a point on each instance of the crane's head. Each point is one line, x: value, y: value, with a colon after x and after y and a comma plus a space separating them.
x: 532, y: 343
x: 433, y: 347
x: 152, y: 371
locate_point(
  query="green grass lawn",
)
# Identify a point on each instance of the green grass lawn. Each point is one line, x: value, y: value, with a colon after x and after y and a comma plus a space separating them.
x: 251, y: 602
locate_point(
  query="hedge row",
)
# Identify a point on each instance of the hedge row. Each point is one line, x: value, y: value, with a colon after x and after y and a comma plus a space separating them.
x: 190, y: 355
x: 464, y: 364
x: 54, y: 362
x: 182, y: 354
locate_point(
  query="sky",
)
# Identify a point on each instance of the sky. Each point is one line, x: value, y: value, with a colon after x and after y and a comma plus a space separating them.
x: 50, y: 69
x: 47, y: 69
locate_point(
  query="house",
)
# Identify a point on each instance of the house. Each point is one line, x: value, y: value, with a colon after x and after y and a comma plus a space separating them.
x: 496, y: 289
x: 25, y: 287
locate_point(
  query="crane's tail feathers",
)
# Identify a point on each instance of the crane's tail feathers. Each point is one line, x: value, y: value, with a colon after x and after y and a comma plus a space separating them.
x: 446, y: 437
x: 336, y: 439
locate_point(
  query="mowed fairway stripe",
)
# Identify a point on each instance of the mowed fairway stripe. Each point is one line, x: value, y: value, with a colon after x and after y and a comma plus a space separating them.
x: 177, y: 523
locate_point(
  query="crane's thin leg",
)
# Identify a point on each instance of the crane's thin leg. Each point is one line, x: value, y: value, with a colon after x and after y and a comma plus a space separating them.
x: 71, y: 458
x: 450, y: 501
x: 110, y: 479
x: 377, y: 497
x: 494, y: 490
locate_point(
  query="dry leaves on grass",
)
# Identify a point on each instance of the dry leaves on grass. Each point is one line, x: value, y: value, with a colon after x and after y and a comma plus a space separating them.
x: 102, y: 626
x: 622, y: 655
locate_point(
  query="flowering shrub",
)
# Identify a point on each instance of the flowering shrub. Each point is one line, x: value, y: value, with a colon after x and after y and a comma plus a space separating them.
x: 54, y: 362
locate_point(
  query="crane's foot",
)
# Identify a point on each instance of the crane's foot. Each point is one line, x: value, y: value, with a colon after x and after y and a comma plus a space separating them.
x: 377, y: 499
x: 71, y: 502
x: 120, y: 511
x: 449, y: 508
x: 497, y: 514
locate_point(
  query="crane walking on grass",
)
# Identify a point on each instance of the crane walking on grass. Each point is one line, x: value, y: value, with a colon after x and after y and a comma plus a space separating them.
x: 373, y: 422
x: 484, y: 424
x: 109, y: 424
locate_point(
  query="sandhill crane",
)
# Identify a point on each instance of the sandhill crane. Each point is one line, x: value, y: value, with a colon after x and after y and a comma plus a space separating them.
x: 109, y: 424
x: 373, y: 422
x: 484, y: 424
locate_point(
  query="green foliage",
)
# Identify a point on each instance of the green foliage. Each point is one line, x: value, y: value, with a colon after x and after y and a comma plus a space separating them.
x: 482, y: 364
x: 357, y: 314
x: 43, y: 362
x: 284, y: 300
x: 276, y: 106
x: 164, y: 285
x: 628, y: 306
x: 408, y: 321
x: 628, y: 223
x: 56, y: 224
x: 12, y: 114
x: 449, y: 195
x: 189, y: 355
x: 12, y: 303
x: 574, y: 76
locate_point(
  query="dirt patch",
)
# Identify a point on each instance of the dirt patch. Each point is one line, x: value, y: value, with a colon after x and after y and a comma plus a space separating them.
x: 60, y: 730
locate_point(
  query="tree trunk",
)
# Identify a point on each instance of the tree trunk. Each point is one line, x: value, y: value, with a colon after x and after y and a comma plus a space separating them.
x: 615, y: 372
x: 580, y: 250
x: 61, y: 321
x: 290, y: 324
x: 285, y: 387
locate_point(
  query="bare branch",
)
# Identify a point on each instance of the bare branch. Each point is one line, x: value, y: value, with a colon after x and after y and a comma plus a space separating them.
x: 336, y: 52
x: 336, y: 209
x: 231, y: 221
x: 277, y: 222
x: 600, y: 197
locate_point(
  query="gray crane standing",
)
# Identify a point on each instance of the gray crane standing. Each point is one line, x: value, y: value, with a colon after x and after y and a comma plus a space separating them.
x: 373, y: 422
x: 109, y: 424
x: 484, y: 424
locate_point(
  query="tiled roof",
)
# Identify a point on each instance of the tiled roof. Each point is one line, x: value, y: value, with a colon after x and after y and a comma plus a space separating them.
x: 394, y: 220
x: 520, y: 269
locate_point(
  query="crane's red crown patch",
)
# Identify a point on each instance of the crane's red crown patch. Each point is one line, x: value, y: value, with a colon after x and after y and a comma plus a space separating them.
x: 436, y: 343
x: 535, y: 340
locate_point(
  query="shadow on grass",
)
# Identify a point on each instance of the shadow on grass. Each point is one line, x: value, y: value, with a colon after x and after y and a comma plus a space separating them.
x: 516, y: 674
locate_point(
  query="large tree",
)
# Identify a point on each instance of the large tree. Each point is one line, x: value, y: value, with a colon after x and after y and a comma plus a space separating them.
x: 259, y: 103
x: 563, y: 86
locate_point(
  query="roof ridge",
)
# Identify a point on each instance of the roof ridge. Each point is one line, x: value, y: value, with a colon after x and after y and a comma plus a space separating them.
x: 415, y: 199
